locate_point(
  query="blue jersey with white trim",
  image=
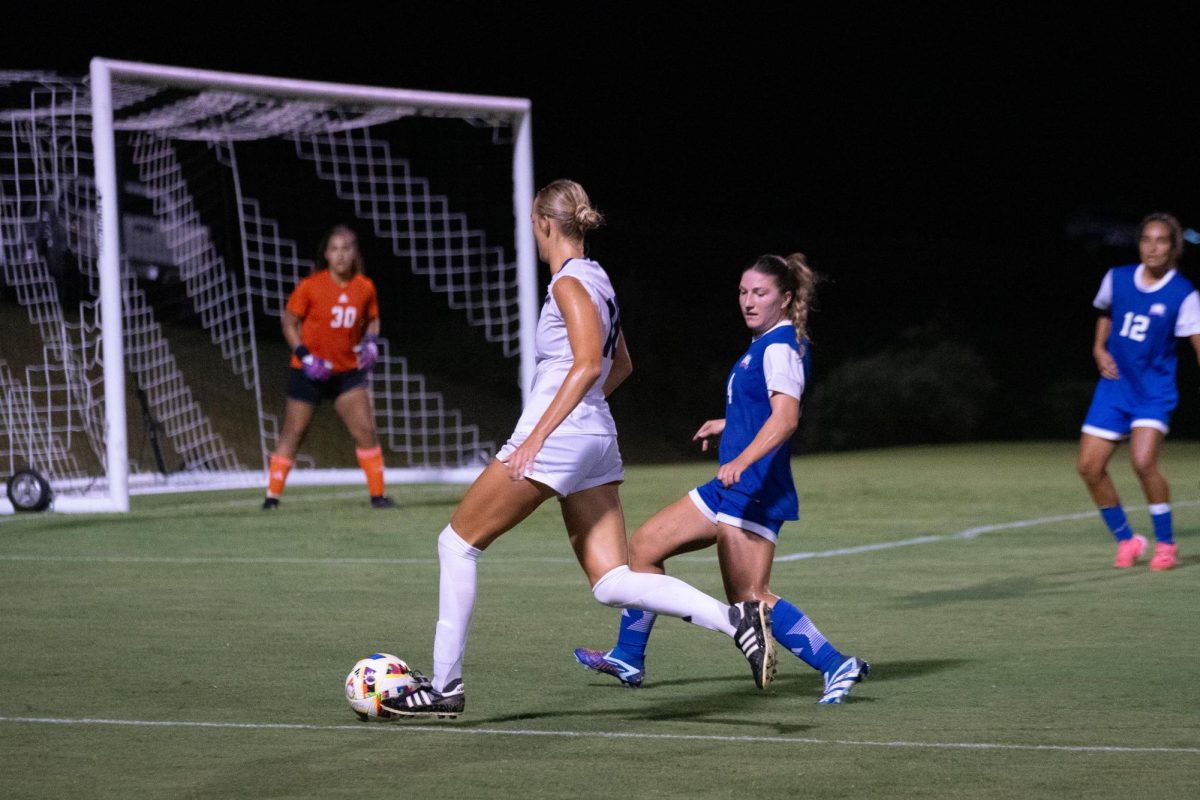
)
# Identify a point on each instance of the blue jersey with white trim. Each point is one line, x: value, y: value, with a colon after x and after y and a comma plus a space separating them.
x: 1145, y: 324
x: 747, y: 407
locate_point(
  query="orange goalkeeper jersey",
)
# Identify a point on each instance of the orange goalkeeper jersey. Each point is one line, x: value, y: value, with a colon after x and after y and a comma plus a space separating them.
x: 335, y: 317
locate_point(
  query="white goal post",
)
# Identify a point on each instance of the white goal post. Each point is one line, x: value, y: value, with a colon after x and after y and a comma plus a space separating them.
x: 282, y: 108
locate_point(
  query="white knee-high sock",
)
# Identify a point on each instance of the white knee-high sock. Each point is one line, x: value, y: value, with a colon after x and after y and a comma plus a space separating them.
x: 456, y: 600
x: 662, y: 594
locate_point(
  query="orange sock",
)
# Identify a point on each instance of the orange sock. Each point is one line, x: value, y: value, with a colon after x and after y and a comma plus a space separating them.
x: 371, y: 461
x: 278, y: 472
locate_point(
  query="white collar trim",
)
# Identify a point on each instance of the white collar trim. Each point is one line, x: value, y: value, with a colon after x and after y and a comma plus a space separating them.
x: 1161, y: 282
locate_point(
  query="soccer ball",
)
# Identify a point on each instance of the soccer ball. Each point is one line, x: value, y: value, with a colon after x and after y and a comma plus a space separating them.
x: 377, y: 678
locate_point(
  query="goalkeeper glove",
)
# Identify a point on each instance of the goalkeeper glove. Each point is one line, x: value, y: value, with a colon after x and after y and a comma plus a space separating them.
x: 315, y: 369
x: 368, y: 352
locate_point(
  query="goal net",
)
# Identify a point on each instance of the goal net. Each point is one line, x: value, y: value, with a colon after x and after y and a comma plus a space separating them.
x: 154, y: 220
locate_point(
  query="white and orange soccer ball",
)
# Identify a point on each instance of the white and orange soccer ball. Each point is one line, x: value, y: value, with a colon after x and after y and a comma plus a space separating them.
x: 377, y: 678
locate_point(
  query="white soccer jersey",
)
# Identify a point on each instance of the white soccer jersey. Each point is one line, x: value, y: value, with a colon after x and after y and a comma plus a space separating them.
x: 554, y: 359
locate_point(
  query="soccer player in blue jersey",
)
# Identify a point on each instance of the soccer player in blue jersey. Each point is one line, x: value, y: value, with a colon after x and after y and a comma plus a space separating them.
x: 743, y: 508
x: 1144, y: 309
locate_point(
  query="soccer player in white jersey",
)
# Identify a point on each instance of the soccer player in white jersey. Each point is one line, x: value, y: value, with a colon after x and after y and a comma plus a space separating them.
x: 743, y: 508
x: 1144, y: 309
x: 565, y: 446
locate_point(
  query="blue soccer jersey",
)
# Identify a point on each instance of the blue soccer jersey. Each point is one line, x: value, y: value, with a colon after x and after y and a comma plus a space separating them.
x: 772, y: 363
x: 1145, y: 325
x: 1146, y: 322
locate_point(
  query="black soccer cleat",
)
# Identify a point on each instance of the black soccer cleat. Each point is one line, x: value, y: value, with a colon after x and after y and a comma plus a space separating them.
x: 428, y: 702
x: 753, y: 622
x: 270, y: 504
x: 383, y: 501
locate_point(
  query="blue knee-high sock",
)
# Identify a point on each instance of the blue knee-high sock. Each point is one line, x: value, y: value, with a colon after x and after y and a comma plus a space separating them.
x: 1160, y: 515
x: 797, y: 633
x: 1114, y: 518
x: 635, y: 632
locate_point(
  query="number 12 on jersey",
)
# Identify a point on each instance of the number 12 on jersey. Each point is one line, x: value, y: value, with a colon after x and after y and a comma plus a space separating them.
x: 1134, y: 327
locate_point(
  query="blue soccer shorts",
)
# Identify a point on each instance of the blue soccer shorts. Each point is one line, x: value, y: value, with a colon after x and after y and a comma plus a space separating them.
x: 734, y: 508
x: 1113, y: 415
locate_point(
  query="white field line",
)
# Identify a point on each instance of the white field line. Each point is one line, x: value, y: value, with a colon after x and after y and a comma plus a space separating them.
x: 403, y: 728
x: 969, y: 533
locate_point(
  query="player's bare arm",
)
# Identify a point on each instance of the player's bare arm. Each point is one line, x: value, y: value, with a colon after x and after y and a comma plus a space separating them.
x: 1104, y: 360
x: 291, y: 329
x: 586, y: 339
x: 779, y: 427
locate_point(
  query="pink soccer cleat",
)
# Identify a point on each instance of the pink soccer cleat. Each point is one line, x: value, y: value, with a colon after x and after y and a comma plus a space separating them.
x: 1129, y: 550
x: 1165, y: 556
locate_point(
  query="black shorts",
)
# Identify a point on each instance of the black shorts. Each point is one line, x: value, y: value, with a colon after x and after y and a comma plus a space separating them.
x: 300, y: 387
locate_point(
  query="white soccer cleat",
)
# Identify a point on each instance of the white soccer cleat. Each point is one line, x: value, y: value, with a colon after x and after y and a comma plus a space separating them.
x: 839, y: 682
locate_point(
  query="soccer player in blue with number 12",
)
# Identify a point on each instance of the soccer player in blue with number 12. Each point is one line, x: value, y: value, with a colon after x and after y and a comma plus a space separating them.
x: 1144, y: 308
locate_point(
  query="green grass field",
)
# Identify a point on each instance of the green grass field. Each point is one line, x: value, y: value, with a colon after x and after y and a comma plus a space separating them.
x: 196, y: 647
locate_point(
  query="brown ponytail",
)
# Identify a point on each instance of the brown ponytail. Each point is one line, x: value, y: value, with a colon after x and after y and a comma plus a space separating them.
x: 792, y: 274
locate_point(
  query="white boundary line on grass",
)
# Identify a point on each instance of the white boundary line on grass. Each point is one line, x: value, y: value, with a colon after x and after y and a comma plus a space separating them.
x: 969, y: 533
x: 404, y: 728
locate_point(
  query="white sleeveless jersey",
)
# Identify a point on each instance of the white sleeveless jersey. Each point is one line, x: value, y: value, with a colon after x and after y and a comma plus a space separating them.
x: 553, y: 354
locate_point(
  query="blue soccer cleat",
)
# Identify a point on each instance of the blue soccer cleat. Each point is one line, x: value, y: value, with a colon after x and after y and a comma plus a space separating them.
x: 600, y: 661
x: 839, y: 682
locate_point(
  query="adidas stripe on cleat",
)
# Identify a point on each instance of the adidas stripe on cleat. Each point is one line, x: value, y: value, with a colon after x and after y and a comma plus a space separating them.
x: 428, y: 702
x: 753, y: 621
x: 839, y: 682
x: 599, y: 661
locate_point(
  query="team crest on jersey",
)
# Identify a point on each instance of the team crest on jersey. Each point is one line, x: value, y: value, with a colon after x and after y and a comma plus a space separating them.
x: 745, y: 361
x: 1158, y: 310
x: 343, y: 298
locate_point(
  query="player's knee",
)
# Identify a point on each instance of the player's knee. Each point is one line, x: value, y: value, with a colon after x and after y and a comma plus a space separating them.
x: 643, y: 556
x: 1091, y: 471
x: 610, y: 589
x: 1144, y: 466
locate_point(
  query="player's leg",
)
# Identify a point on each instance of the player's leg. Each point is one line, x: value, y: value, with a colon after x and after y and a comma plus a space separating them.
x: 681, y: 527
x: 1095, y: 451
x: 297, y: 415
x: 354, y: 407
x: 1092, y: 466
x: 1145, y: 447
x: 595, y: 524
x: 492, y: 505
x: 746, y: 549
x: 1108, y: 421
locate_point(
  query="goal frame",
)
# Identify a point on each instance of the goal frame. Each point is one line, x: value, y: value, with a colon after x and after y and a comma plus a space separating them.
x: 104, y: 72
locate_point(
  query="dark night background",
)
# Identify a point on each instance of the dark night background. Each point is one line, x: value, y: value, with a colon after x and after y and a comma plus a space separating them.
x: 961, y: 177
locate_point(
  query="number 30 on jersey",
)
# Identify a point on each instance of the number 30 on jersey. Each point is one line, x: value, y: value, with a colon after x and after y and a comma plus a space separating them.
x: 343, y: 317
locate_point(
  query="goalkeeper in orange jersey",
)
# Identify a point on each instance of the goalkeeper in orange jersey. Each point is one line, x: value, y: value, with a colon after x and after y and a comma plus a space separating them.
x: 332, y: 325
